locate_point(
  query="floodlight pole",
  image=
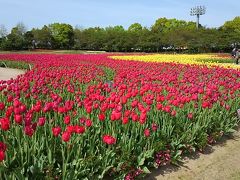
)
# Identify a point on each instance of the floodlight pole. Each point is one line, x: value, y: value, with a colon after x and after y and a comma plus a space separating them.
x: 197, y: 24
x: 197, y: 11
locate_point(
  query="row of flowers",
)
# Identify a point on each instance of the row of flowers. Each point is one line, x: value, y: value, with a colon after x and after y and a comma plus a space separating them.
x: 210, y: 60
x: 90, y: 116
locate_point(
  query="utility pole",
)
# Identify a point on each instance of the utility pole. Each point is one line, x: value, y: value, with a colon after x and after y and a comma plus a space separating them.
x: 197, y: 11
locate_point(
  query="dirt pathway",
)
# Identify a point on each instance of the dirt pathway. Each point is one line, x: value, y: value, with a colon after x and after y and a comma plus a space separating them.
x: 8, y: 73
x: 219, y: 162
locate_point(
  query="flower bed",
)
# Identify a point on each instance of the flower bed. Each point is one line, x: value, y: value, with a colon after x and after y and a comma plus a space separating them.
x: 90, y: 116
x: 197, y: 59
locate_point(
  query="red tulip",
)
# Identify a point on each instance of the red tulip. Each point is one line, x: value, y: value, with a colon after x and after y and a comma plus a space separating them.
x: 79, y: 129
x: 159, y: 106
x: 18, y: 118
x: 88, y: 123
x: 5, y: 124
x: 143, y: 118
x: 134, y: 117
x: 70, y: 129
x: 108, y: 139
x: 125, y: 120
x: 56, y: 131
x: 82, y: 120
x: 23, y: 108
x: 134, y: 103
x: 89, y: 109
x: 147, y: 132
x: 154, y: 126
x: 16, y: 103
x: 28, y: 130
x: 173, y: 113
x: 67, y: 120
x: 2, y: 156
x: 3, y: 147
x: 190, y: 115
x: 124, y: 100
x: 66, y: 136
x: 101, y: 117
x: 9, y: 111
x: 2, y: 106
x: 41, y: 121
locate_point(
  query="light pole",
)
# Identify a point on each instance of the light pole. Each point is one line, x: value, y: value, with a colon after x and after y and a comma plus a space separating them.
x: 197, y: 11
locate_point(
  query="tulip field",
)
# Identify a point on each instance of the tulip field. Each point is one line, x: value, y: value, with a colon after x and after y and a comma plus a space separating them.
x: 112, y: 116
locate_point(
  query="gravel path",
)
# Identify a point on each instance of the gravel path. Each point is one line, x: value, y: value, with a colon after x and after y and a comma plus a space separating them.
x: 218, y: 162
x: 8, y: 73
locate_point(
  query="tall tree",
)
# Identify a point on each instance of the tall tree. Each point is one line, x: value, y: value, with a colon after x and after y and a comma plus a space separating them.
x: 233, y: 25
x: 62, y: 34
x: 166, y: 25
x: 3, y: 31
x: 15, y: 40
x: 230, y: 32
x: 43, y: 37
x: 134, y: 33
x: 3, y: 34
x: 116, y: 38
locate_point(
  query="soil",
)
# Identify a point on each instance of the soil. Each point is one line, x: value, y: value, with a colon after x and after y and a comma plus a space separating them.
x: 218, y: 162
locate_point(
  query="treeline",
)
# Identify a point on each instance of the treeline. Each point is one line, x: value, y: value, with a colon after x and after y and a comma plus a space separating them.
x: 164, y: 35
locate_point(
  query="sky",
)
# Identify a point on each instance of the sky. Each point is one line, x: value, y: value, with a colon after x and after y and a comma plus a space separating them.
x: 103, y: 13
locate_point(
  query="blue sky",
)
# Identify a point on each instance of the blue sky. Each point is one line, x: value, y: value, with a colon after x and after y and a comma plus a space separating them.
x: 103, y: 13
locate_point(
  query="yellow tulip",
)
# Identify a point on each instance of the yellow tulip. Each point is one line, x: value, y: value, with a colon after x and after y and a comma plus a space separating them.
x: 209, y: 60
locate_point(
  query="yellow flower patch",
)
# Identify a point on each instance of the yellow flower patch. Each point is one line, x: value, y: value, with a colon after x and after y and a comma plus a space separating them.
x: 195, y: 59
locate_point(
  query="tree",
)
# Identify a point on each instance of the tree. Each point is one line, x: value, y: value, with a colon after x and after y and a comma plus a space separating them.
x: 15, y: 40
x: 91, y: 38
x: 146, y: 41
x: 20, y: 29
x: 134, y: 33
x: 166, y: 25
x: 78, y: 44
x: 43, y: 37
x: 230, y: 32
x: 29, y: 38
x: 116, y: 37
x: 3, y: 31
x: 233, y: 25
x: 136, y: 27
x: 62, y: 35
x: 3, y: 34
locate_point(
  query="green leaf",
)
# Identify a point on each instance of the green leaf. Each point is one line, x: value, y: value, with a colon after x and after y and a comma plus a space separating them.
x: 149, y: 153
x: 146, y: 170
x: 119, y: 166
x: 32, y: 169
x: 18, y: 174
x: 231, y: 131
x: 140, y: 160
x: 143, y: 156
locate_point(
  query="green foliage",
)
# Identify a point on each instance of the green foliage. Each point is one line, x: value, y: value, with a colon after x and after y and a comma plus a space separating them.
x: 43, y: 37
x: 136, y: 27
x: 233, y: 25
x: 15, y: 64
x: 62, y: 35
x: 164, y: 35
x: 166, y: 25
x: 15, y: 40
x: 230, y: 33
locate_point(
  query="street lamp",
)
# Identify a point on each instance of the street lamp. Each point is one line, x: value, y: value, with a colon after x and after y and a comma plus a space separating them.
x: 197, y: 11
